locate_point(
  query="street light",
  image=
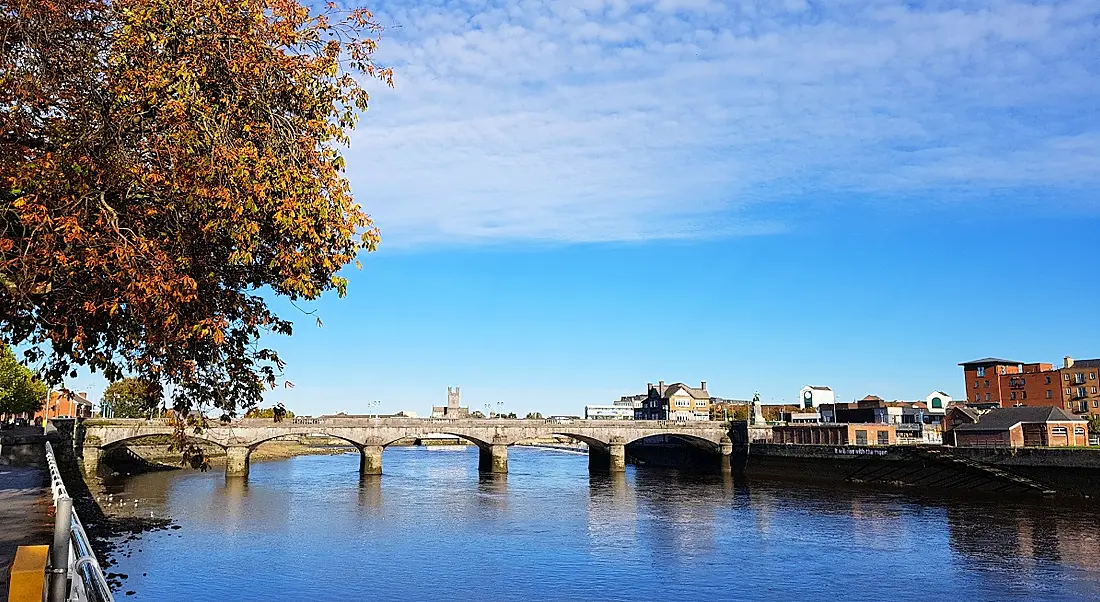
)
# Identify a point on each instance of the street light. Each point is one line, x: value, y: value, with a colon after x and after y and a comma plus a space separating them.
x: 488, y: 410
x: 374, y: 406
x: 500, y: 409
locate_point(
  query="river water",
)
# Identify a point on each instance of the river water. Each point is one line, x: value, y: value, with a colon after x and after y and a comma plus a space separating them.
x: 308, y: 528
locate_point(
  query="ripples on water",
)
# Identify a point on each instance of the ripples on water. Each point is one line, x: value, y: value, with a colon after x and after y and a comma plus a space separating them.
x: 309, y: 528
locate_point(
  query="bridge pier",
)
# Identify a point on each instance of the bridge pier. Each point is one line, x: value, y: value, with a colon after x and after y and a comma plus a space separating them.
x: 236, y: 461
x: 90, y: 459
x: 608, y: 459
x: 370, y: 460
x: 725, y: 457
x: 493, y: 458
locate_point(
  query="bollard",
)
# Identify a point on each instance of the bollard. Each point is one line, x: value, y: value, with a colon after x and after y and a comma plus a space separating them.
x: 59, y: 551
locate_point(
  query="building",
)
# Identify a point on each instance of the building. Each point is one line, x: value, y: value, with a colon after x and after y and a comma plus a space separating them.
x: 1026, y: 426
x: 454, y: 408
x: 937, y: 402
x: 812, y: 397
x: 1074, y: 387
x: 674, y: 402
x: 60, y: 404
x: 835, y: 434
x: 1079, y: 383
x: 912, y: 420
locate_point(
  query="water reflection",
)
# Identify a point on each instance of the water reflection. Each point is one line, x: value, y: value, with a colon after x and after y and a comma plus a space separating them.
x: 612, y: 513
x: 492, y: 491
x: 370, y: 493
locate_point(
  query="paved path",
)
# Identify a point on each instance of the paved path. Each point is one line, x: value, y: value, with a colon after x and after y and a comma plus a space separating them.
x: 25, y: 514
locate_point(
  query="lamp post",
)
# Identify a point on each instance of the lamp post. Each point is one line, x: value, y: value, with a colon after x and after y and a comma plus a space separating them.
x: 374, y: 407
x: 488, y: 410
x: 500, y: 409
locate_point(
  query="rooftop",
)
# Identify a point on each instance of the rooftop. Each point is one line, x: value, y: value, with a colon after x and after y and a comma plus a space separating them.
x: 1005, y: 418
x: 990, y: 361
x: 1085, y: 364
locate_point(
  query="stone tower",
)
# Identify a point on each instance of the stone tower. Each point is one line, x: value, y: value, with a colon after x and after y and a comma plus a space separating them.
x: 454, y: 397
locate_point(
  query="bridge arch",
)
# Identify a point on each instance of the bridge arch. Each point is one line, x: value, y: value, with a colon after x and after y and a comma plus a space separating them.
x: 690, y: 439
x: 253, y: 445
x: 115, y: 443
x: 478, y: 441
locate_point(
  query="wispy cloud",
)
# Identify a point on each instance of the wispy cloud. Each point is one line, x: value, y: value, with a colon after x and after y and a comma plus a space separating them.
x: 599, y: 120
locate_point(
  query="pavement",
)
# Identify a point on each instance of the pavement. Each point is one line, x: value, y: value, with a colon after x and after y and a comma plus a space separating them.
x: 26, y: 511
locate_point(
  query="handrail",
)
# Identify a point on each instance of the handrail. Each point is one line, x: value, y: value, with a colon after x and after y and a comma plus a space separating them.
x: 88, y: 581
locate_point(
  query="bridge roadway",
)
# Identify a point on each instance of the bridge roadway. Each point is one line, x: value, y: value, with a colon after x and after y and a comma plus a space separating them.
x: 606, y: 439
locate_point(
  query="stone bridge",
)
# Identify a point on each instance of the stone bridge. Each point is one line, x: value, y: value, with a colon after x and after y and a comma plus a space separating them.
x: 606, y: 439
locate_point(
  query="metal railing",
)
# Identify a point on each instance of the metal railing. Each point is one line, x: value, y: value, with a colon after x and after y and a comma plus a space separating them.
x: 71, y: 557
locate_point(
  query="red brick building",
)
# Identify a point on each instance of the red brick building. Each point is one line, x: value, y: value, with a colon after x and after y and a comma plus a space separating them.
x: 1081, y: 385
x: 61, y: 405
x: 1074, y: 387
x: 1013, y: 383
x: 1022, y: 427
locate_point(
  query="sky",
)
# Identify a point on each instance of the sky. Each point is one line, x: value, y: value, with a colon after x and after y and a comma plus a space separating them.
x: 580, y: 197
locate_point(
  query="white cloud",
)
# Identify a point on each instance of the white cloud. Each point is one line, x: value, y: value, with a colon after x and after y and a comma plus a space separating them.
x: 590, y: 120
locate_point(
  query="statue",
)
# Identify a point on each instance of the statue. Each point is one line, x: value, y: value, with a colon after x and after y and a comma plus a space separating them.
x: 756, y: 413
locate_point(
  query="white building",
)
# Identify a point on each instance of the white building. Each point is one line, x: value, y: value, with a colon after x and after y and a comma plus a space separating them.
x: 811, y: 397
x: 937, y: 402
x: 609, y: 412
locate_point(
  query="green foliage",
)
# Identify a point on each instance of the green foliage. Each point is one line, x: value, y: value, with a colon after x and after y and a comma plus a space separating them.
x: 133, y: 397
x: 20, y: 389
x: 1094, y: 424
x: 534, y: 416
x: 476, y: 414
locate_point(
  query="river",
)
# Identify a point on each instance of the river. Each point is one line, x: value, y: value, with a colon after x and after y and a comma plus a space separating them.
x: 308, y: 528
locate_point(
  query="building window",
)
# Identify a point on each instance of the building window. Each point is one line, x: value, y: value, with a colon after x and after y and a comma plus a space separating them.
x: 682, y: 403
x: 937, y: 402
x: 1050, y: 394
x: 1048, y: 380
x: 1095, y: 404
x: 861, y: 437
x: 884, y: 438
x: 1013, y: 395
x: 1094, y: 390
x: 977, y: 384
x: 987, y: 396
x: 1092, y: 376
x: 987, y: 384
x: 1059, y: 430
x: 1025, y: 394
x: 1078, y: 430
x: 1065, y: 377
x: 981, y: 372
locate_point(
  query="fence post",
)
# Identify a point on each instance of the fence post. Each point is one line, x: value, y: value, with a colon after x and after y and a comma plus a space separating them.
x: 59, y: 551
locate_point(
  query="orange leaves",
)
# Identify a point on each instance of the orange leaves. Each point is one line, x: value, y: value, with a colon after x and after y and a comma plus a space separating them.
x: 190, y: 157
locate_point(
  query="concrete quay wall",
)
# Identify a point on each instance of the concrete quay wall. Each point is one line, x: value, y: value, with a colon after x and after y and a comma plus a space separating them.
x: 1068, y: 472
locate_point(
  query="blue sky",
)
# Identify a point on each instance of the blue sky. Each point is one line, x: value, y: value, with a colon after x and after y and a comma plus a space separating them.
x: 578, y: 197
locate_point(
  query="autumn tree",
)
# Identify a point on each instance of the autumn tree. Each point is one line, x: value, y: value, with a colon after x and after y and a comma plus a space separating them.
x: 21, y: 391
x: 276, y: 413
x: 166, y: 167
x: 133, y: 397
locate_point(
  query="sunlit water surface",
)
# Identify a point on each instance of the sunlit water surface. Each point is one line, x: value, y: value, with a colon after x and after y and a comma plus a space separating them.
x: 309, y: 528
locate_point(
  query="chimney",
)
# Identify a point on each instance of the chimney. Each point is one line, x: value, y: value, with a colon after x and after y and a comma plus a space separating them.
x: 1069, y: 362
x: 648, y: 386
x: 661, y: 387
x: 703, y: 385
